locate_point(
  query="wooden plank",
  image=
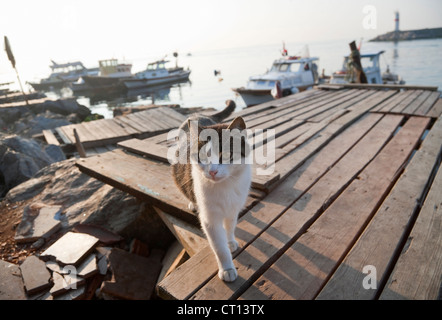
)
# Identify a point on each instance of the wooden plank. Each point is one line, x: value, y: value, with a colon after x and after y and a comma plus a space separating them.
x: 410, y: 109
x: 406, y: 102
x: 146, y: 148
x: 428, y: 104
x: 422, y: 254
x: 436, y: 110
x: 252, y: 261
x: 293, y: 159
x: 67, y: 139
x: 191, y: 276
x: 291, y: 99
x: 382, y: 241
x: 302, y: 270
x: 173, y: 115
x: 128, y: 127
x: 50, y: 137
x: 139, y: 176
x: 289, y: 112
x: 154, y: 119
x: 382, y: 86
x: 191, y: 237
x: 79, y: 145
x: 392, y: 102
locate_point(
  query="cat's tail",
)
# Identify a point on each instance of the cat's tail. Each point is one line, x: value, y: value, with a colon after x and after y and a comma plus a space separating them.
x: 227, y: 111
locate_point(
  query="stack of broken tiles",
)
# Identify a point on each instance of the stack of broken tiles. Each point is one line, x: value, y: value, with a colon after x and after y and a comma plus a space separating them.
x: 71, y: 263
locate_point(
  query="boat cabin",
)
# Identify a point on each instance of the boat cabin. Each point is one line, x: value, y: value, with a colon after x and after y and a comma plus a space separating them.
x: 371, y: 65
x: 291, y: 72
x: 155, y: 69
x: 111, y: 68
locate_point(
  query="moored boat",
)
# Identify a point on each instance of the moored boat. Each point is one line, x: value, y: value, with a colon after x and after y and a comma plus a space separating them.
x: 63, y: 75
x: 288, y: 75
x: 155, y: 74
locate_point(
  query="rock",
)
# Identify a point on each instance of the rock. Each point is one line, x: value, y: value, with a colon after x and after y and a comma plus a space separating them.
x: 86, y: 200
x: 37, y: 222
x: 64, y: 283
x: 21, y: 158
x: 11, y: 283
x: 71, y: 248
x: 133, y: 277
x: 65, y: 106
x: 35, y: 275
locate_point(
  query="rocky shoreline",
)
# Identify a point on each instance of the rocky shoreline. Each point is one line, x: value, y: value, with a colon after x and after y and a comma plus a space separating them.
x: 36, y: 181
x: 433, y: 33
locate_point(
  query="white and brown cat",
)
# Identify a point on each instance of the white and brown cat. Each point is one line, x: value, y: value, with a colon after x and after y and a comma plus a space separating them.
x: 216, y: 179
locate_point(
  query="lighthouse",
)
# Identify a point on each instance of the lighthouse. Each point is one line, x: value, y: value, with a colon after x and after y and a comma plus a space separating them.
x: 396, y: 21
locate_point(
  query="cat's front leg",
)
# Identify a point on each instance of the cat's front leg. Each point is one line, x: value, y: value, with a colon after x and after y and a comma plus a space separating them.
x: 230, y: 225
x: 216, y: 236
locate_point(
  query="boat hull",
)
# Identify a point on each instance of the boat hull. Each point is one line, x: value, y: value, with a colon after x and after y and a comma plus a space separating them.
x: 255, y: 97
x: 134, y: 83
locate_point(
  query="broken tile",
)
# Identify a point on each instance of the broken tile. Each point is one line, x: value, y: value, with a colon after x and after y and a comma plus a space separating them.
x: 11, y: 283
x: 35, y: 275
x: 76, y: 294
x: 64, y: 283
x: 88, y: 267
x: 71, y: 248
x: 36, y: 226
x: 133, y: 277
x: 105, y: 236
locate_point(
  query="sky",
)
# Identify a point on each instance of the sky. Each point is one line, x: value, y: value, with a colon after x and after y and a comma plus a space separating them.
x: 89, y: 30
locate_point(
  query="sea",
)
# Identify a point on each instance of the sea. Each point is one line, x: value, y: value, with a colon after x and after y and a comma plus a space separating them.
x: 417, y: 62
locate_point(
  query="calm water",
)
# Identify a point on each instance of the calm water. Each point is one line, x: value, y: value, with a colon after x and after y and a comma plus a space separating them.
x: 417, y: 62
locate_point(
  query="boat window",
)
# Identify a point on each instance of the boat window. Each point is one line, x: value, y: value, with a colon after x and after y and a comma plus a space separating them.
x: 284, y: 67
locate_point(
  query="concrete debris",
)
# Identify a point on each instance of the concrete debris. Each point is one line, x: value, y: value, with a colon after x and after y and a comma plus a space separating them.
x: 71, y: 248
x: 11, y: 283
x: 38, y: 221
x: 36, y: 277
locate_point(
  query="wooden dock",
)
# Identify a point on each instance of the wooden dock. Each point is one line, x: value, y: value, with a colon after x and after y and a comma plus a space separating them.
x: 352, y: 209
x: 106, y: 132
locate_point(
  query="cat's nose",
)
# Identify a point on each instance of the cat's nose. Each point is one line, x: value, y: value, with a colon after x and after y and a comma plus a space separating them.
x: 213, y: 173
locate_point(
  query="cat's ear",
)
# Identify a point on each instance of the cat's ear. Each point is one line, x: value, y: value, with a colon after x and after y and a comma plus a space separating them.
x: 237, y: 123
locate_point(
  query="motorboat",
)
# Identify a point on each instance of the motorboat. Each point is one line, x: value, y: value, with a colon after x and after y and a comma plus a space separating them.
x: 111, y: 76
x: 62, y: 75
x: 156, y: 74
x: 288, y: 75
x: 371, y: 65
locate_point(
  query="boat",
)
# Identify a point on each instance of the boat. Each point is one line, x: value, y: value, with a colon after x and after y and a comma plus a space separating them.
x: 63, y: 75
x: 288, y: 75
x: 371, y: 66
x: 110, y: 77
x: 155, y: 74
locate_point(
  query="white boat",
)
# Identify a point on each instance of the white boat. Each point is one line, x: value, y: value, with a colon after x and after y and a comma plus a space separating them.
x: 156, y: 73
x: 288, y: 75
x: 371, y: 65
x: 63, y: 75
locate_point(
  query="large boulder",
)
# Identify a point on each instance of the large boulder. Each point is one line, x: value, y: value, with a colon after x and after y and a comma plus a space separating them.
x: 21, y: 158
x: 86, y: 200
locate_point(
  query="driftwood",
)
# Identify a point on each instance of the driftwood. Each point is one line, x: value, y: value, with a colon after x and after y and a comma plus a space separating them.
x: 356, y: 63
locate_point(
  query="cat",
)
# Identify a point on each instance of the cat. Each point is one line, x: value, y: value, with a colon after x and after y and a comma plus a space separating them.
x: 216, y: 183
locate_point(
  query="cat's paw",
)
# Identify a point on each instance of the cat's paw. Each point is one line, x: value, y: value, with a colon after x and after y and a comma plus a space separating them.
x: 233, y: 246
x: 192, y: 207
x: 228, y: 275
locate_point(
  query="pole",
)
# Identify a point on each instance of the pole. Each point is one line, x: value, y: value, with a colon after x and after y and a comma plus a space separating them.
x: 12, y: 59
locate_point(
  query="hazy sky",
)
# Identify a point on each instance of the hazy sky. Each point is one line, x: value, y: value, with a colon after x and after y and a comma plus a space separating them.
x: 89, y: 30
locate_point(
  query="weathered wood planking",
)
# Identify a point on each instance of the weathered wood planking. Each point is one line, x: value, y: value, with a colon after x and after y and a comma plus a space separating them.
x: 384, y: 237
x: 303, y: 269
x: 140, y: 177
x: 109, y: 131
x: 294, y: 221
x: 418, y: 272
x: 182, y: 284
